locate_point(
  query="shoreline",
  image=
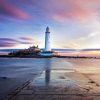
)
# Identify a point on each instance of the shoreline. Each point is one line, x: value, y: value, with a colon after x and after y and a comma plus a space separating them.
x: 7, y: 56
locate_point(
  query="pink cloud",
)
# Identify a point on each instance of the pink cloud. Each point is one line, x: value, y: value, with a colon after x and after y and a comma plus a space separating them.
x: 58, y: 10
x: 6, y: 8
x: 29, y: 40
x: 26, y: 38
x: 61, y: 10
x: 9, y: 42
x: 90, y: 53
x: 76, y: 10
x: 5, y: 44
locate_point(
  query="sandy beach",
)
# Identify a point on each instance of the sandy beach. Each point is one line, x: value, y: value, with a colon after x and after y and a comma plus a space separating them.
x: 62, y: 83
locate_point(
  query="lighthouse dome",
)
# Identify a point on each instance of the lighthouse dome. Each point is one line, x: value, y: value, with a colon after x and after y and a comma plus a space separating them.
x: 47, y: 29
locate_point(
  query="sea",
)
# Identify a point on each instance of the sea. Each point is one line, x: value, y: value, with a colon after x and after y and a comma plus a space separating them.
x: 15, y: 71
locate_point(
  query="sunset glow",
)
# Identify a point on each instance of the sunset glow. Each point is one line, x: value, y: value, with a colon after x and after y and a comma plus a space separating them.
x: 74, y: 24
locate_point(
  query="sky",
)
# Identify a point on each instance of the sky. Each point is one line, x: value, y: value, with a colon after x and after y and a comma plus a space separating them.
x: 74, y: 24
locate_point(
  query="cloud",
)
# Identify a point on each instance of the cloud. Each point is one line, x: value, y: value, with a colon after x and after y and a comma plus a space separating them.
x: 26, y: 38
x: 58, y: 10
x: 62, y: 10
x: 77, y: 11
x: 9, y: 42
x: 22, y: 42
x: 9, y: 9
x: 90, y: 50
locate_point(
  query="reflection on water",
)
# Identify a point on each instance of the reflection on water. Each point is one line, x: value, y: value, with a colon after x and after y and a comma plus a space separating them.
x: 65, y: 72
x: 54, y: 76
x: 47, y: 71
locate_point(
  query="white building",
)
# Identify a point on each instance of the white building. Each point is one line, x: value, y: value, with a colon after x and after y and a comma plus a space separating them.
x: 47, y: 52
x: 47, y: 40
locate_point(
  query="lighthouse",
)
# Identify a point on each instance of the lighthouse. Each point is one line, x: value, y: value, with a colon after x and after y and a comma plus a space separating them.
x: 47, y: 51
x: 47, y: 40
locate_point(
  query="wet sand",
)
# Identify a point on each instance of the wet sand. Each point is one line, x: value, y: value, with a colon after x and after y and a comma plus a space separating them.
x: 60, y: 84
x: 8, y: 85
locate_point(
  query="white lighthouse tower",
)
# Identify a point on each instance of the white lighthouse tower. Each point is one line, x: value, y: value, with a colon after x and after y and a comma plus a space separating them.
x: 47, y: 52
x: 47, y: 40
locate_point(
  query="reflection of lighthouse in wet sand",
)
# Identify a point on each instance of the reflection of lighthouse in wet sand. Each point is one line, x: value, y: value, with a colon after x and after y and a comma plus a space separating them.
x: 47, y: 40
